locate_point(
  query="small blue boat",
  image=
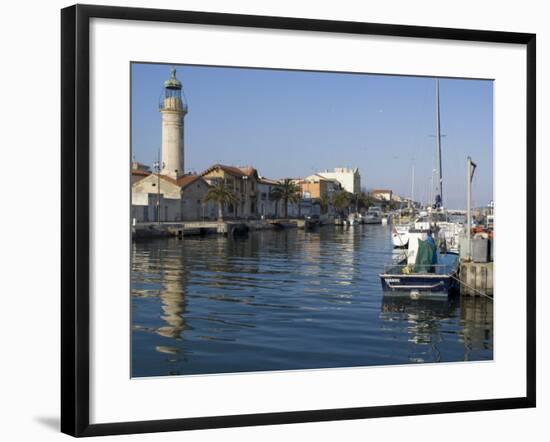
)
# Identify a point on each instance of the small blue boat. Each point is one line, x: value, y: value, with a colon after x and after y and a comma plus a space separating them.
x: 436, y: 280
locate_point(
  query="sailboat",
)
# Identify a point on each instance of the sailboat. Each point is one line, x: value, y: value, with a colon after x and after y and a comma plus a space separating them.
x: 420, y: 271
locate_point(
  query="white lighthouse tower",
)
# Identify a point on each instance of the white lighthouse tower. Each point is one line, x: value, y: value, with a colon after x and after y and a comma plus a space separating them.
x: 173, y: 110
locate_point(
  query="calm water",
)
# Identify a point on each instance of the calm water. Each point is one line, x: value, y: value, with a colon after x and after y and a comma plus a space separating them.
x: 280, y: 300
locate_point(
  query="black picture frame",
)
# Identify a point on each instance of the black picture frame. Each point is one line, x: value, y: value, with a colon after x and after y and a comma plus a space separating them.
x: 75, y: 213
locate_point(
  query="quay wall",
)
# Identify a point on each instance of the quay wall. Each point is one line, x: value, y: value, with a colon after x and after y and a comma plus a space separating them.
x: 476, y: 278
x: 179, y: 229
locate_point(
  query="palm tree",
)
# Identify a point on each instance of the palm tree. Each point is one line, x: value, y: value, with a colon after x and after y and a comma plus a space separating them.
x: 354, y: 201
x: 286, y: 191
x: 220, y: 193
x: 274, y: 196
x: 324, y: 202
x: 365, y: 200
x: 341, y: 201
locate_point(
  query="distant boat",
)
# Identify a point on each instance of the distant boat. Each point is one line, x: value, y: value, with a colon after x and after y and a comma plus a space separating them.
x: 339, y: 221
x: 373, y: 216
x: 353, y: 219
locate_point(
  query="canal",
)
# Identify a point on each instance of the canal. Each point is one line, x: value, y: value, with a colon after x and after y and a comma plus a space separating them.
x: 290, y: 299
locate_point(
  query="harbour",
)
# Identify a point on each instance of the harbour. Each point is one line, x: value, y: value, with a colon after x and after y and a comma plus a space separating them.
x: 289, y: 299
x: 262, y: 262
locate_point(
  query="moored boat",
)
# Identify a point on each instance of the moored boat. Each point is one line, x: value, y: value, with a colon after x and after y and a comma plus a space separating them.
x: 353, y: 219
x: 400, y: 236
x: 373, y: 216
x: 411, y: 275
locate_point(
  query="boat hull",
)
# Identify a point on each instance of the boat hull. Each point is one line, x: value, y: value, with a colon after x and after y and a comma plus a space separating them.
x: 418, y: 285
x: 437, y: 280
x: 400, y: 237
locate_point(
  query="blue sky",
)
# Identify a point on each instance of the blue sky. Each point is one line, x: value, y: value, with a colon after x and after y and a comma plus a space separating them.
x: 293, y: 123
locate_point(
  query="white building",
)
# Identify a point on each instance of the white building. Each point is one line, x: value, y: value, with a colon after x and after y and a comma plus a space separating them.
x: 267, y: 207
x: 350, y: 179
x: 172, y: 200
x: 382, y: 194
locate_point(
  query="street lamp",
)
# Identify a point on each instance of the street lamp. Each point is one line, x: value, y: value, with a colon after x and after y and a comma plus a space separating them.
x: 158, y: 166
x: 245, y: 179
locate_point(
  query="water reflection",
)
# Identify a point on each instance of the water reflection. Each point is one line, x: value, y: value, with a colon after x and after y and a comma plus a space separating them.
x: 430, y: 323
x: 286, y: 300
x: 476, y: 315
x: 422, y: 320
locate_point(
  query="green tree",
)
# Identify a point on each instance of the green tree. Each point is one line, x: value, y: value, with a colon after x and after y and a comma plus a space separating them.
x: 365, y: 200
x: 354, y: 201
x: 324, y: 202
x: 341, y: 201
x: 286, y: 191
x: 220, y: 193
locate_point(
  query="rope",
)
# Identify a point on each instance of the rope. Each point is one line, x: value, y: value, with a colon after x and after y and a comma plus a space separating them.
x: 472, y: 288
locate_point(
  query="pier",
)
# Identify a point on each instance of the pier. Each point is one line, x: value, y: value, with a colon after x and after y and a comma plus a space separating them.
x: 226, y: 228
x: 476, y: 278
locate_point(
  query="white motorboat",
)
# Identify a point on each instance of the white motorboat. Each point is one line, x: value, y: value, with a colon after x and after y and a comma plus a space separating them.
x: 373, y: 216
x: 400, y: 235
x: 446, y: 231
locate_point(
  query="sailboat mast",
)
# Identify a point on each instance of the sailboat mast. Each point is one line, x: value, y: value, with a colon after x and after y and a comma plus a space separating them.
x: 439, y: 194
x: 412, y: 185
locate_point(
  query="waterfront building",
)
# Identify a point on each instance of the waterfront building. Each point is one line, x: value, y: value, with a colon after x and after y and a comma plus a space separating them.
x: 267, y: 206
x: 173, y: 200
x: 243, y: 181
x: 382, y: 194
x: 316, y: 186
x: 313, y: 188
x: 303, y: 208
x: 349, y: 179
x: 139, y: 171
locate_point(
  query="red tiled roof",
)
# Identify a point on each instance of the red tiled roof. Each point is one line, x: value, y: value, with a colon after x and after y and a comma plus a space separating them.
x: 264, y: 180
x: 248, y: 171
x: 185, y: 180
x: 182, y: 181
x: 232, y: 170
x: 140, y: 172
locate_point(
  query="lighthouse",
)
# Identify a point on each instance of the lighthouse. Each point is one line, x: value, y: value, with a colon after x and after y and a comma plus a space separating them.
x: 173, y: 110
